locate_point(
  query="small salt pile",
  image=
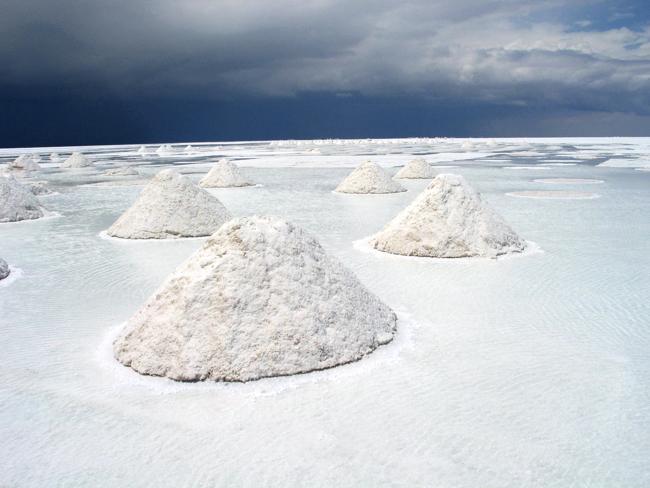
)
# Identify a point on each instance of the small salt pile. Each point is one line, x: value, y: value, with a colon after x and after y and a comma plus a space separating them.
x: 369, y: 178
x: 17, y: 202
x: 77, y: 160
x: 416, y: 169
x: 224, y: 174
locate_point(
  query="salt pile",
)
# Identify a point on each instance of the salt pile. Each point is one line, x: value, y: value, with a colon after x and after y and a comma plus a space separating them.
x: 24, y: 162
x: 4, y: 269
x: 39, y: 188
x: 170, y: 206
x: 448, y: 220
x: 416, y: 169
x: 77, y: 160
x: 261, y: 298
x: 55, y: 157
x: 189, y: 148
x: 142, y: 150
x: 164, y: 150
x: 121, y: 171
x: 369, y: 178
x: 17, y: 202
x: 224, y: 174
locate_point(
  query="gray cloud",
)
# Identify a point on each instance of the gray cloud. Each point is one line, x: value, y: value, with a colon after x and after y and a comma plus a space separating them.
x: 476, y: 51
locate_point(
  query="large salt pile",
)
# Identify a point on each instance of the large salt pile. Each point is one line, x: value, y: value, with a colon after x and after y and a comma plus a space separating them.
x: 17, y: 202
x: 4, y: 269
x: 448, y: 220
x: 170, y: 206
x: 77, y: 160
x: 224, y: 174
x: 369, y: 178
x: 24, y: 162
x: 261, y: 298
x: 416, y: 169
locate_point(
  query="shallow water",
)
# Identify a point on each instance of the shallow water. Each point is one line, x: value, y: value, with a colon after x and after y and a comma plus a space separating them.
x: 532, y: 371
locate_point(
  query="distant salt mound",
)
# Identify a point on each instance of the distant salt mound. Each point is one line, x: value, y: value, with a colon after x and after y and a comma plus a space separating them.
x: 224, y: 174
x: 369, y: 178
x: 24, y: 162
x: 261, y: 298
x: 121, y: 171
x: 416, y: 169
x: 142, y: 150
x: 39, y: 188
x: 55, y: 157
x: 17, y: 202
x: 448, y: 220
x: 164, y: 150
x: 4, y: 269
x: 77, y: 160
x: 189, y: 148
x: 170, y: 206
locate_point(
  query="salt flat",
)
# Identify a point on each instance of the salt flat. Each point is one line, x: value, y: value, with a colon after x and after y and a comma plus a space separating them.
x: 531, y: 371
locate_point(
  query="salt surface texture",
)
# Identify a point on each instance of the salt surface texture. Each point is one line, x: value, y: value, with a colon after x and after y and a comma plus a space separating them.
x: 369, y: 177
x: 170, y: 206
x: 224, y: 174
x: 415, y: 169
x: 261, y: 298
x: 17, y: 202
x: 121, y: 171
x: 448, y: 220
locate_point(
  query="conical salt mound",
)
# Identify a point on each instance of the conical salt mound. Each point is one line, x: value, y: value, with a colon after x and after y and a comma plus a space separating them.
x: 369, y: 178
x: 55, y: 157
x: 4, y: 269
x: 261, y: 298
x: 170, y: 206
x: 17, y: 202
x: 24, y: 162
x: 77, y: 160
x: 224, y: 174
x: 189, y: 148
x: 142, y: 150
x: 416, y: 169
x: 448, y: 220
x: 165, y: 149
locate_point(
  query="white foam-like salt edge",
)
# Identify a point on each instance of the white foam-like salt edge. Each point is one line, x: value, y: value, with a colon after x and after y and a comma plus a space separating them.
x: 569, y: 181
x: 532, y: 166
x: 47, y: 215
x: 256, y: 185
x: 104, y: 235
x: 587, y: 196
x: 364, y: 246
x: 382, y: 356
x: 352, y: 195
x: 14, y: 274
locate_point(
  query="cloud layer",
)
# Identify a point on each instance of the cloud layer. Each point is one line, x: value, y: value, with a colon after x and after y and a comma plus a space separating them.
x: 589, y: 55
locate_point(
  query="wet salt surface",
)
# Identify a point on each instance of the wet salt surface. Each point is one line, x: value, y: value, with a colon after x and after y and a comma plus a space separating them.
x: 531, y: 371
x: 555, y: 194
x: 568, y: 181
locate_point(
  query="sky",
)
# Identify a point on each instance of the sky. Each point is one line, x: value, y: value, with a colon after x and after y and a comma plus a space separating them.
x: 75, y: 72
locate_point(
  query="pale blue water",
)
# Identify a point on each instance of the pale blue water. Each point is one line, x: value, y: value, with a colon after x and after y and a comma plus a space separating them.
x: 531, y: 371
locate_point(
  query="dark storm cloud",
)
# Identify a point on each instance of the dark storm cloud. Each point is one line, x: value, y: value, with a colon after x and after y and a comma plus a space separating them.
x: 564, y: 55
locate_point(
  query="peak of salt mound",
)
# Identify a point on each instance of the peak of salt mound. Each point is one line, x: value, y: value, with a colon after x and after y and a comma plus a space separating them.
x: 189, y: 148
x: 121, y: 171
x: 261, y: 298
x: 416, y: 169
x: 224, y: 174
x: 25, y: 162
x: 142, y: 150
x: 17, y: 202
x: 170, y: 206
x: 448, y: 220
x: 77, y: 160
x: 55, y: 157
x: 368, y: 177
x: 4, y: 269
